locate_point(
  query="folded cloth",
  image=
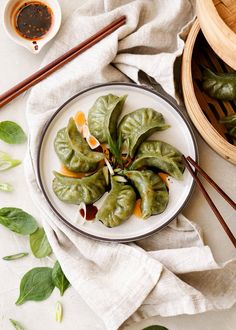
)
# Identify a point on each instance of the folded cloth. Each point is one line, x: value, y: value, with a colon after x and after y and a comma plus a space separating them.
x: 171, y: 272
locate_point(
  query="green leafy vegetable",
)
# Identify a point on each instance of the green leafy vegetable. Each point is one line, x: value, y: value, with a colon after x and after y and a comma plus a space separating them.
x: 6, y: 162
x: 114, y: 149
x: 59, y: 278
x: 17, y: 220
x: 16, y: 324
x: 36, y: 285
x: 6, y: 187
x: 11, y: 133
x: 39, y: 244
x: 155, y: 327
x: 16, y: 256
x: 59, y: 312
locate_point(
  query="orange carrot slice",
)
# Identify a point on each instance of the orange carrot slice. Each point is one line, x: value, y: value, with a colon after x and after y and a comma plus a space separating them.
x: 137, y: 209
x: 164, y: 177
x: 80, y: 119
x: 93, y: 142
x: 71, y: 174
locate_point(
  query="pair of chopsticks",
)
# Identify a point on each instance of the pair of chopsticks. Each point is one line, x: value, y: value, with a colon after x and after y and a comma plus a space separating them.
x: 59, y: 62
x: 188, y: 162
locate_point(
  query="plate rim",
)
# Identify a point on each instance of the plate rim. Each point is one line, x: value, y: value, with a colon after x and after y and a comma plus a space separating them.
x: 41, y: 139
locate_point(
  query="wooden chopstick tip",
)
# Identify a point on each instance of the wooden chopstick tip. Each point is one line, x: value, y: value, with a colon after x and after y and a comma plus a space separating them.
x: 184, y: 159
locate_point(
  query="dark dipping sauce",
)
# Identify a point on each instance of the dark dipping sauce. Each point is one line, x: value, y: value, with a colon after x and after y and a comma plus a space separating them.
x: 91, y: 211
x: 33, y: 20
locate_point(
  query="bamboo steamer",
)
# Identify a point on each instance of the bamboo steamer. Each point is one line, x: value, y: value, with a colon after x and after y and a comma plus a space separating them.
x: 203, y: 110
x: 217, y: 19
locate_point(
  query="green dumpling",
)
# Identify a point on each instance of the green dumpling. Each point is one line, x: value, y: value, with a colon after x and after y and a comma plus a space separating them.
x: 152, y: 190
x: 103, y: 116
x: 221, y: 86
x: 73, y: 151
x: 118, y: 206
x: 230, y: 124
x: 161, y: 155
x: 137, y: 126
x: 75, y: 191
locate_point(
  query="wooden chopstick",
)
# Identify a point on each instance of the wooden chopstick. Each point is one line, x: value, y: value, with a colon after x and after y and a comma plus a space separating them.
x: 210, y: 202
x: 60, y: 61
x: 212, y: 182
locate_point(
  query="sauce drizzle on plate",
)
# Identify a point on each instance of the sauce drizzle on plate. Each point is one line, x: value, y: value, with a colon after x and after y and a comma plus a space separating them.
x: 91, y: 211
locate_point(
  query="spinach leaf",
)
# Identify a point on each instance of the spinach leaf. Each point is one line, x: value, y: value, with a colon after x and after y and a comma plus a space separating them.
x: 16, y: 324
x: 17, y: 220
x: 11, y: 133
x: 59, y: 279
x: 39, y: 244
x: 6, y: 187
x: 36, y: 285
x: 16, y: 256
x: 6, y: 162
x: 155, y: 327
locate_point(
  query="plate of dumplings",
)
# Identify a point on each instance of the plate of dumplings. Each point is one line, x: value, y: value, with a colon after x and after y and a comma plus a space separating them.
x: 110, y: 162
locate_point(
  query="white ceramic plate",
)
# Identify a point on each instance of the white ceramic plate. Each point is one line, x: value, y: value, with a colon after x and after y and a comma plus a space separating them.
x: 179, y: 135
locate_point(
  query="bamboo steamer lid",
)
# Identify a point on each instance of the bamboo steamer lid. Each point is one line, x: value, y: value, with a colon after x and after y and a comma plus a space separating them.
x: 203, y: 110
x: 217, y: 19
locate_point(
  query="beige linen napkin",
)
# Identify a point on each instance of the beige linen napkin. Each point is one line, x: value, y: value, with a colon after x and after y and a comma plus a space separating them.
x: 171, y: 272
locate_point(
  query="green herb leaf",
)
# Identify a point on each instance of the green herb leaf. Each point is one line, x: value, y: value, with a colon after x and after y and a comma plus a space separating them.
x: 59, y: 312
x: 17, y: 220
x: 16, y: 256
x: 6, y: 162
x: 155, y: 327
x: 6, y: 187
x: 59, y: 279
x: 39, y: 244
x: 36, y: 285
x: 11, y: 133
x: 114, y: 149
x: 16, y: 324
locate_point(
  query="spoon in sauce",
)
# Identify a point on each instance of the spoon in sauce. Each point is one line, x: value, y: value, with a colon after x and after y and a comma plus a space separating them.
x: 32, y: 23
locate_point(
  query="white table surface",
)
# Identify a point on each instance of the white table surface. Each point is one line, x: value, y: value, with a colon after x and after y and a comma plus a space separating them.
x: 15, y: 64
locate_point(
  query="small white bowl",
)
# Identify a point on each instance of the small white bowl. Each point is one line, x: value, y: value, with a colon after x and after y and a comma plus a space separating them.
x: 9, y: 13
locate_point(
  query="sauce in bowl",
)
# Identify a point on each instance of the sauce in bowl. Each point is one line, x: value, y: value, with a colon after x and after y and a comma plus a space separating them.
x: 33, y: 20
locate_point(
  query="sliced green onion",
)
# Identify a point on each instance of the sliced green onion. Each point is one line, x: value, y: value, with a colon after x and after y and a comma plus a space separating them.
x: 6, y: 162
x: 59, y: 312
x: 106, y: 175
x: 110, y: 169
x: 16, y: 324
x: 6, y: 187
x: 119, y: 178
x: 16, y: 256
